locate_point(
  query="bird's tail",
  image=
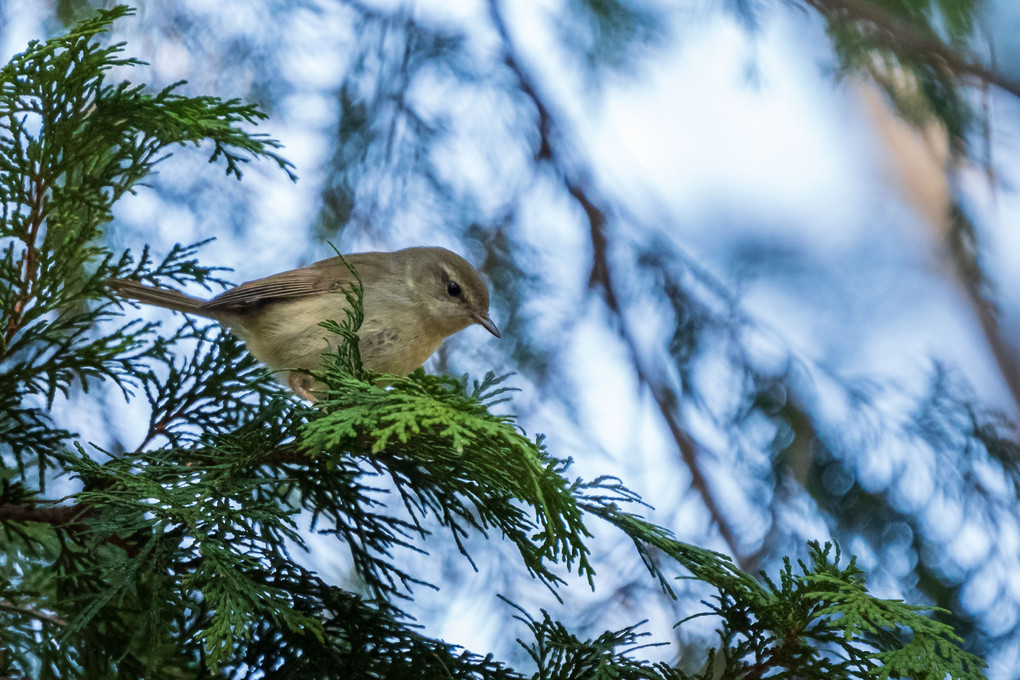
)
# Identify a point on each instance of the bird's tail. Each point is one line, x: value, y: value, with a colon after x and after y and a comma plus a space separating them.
x: 161, y: 297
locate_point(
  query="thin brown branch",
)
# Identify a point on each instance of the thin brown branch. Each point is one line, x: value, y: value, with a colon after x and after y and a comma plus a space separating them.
x: 161, y: 426
x: 907, y: 38
x: 963, y: 253
x: 68, y: 518
x: 779, y: 656
x: 664, y: 396
x: 601, y: 276
x: 29, y: 263
x: 1005, y: 355
x: 57, y: 515
x: 37, y: 614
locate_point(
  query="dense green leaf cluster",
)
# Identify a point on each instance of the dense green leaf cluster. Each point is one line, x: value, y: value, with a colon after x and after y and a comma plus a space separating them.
x: 70, y: 146
x: 182, y: 556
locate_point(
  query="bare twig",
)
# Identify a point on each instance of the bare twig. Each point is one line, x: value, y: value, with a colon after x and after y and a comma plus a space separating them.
x: 906, y: 38
x: 70, y: 518
x: 37, y: 614
x: 1004, y: 354
x: 29, y: 263
x: 57, y: 515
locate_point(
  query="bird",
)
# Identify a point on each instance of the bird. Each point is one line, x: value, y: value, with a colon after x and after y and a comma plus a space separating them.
x: 412, y: 300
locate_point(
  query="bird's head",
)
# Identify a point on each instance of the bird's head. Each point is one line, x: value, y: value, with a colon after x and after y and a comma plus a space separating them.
x: 452, y: 293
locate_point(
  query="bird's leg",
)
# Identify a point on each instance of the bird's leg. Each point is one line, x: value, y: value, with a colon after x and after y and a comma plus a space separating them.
x: 300, y: 383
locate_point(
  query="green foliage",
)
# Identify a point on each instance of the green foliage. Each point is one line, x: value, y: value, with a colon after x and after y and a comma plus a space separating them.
x: 449, y: 456
x: 559, y: 654
x: 823, y: 621
x: 70, y: 146
x: 180, y: 557
x: 819, y: 623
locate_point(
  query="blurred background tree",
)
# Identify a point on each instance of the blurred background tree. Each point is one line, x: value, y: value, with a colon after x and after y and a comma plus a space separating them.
x: 754, y: 257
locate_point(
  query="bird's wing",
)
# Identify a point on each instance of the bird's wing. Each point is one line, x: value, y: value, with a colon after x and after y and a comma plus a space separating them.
x: 322, y: 277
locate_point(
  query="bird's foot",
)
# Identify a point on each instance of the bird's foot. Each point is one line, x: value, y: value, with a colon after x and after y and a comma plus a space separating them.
x: 300, y: 384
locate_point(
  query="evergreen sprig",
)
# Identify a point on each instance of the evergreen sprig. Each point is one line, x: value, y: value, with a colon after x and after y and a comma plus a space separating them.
x: 558, y: 653
x: 819, y: 623
x: 448, y: 455
x: 71, y: 144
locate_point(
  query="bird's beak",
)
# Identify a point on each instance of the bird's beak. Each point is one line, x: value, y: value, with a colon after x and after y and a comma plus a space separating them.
x: 485, y: 322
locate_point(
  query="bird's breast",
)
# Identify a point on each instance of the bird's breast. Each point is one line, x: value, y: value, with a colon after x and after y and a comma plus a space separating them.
x: 287, y: 335
x: 398, y: 351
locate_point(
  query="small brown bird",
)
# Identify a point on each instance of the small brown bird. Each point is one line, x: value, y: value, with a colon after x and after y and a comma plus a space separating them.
x: 412, y: 300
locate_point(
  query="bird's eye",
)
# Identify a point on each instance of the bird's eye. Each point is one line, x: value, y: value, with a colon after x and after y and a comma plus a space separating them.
x: 453, y: 288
